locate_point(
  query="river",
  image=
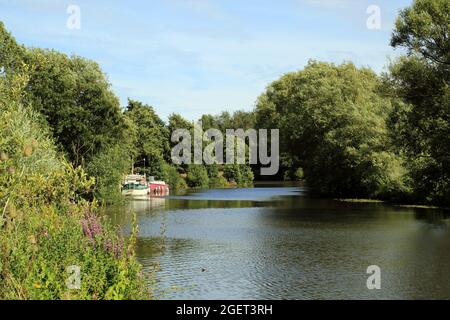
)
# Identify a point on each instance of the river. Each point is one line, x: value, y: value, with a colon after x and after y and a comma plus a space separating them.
x: 275, y: 242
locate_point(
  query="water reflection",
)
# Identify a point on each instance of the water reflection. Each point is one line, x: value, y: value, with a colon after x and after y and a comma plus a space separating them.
x: 274, y: 242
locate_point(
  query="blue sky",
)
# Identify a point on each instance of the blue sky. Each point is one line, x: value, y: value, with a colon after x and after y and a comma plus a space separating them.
x: 204, y: 56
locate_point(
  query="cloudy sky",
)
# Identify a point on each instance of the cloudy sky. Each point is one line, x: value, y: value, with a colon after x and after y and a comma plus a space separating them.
x: 203, y: 56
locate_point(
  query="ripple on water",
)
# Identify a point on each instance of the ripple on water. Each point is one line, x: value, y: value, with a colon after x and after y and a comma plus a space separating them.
x: 300, y: 249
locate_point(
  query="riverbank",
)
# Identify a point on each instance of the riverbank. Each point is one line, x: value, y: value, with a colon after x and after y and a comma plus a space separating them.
x: 416, y: 206
x: 53, y: 242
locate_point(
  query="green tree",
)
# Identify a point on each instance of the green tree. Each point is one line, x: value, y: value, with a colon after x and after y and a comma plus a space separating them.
x: 46, y: 223
x: 223, y: 121
x: 75, y: 99
x: 174, y: 178
x: 176, y: 121
x: 244, y: 120
x: 152, y: 139
x: 11, y: 53
x: 108, y: 168
x: 332, y: 120
x: 240, y: 174
x: 423, y: 30
x: 208, y: 122
x: 422, y: 125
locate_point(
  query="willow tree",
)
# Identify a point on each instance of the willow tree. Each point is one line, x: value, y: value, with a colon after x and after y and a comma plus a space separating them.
x: 332, y: 121
x: 422, y: 79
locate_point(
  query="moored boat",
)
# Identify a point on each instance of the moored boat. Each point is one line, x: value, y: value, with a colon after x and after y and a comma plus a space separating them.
x: 135, y: 186
x: 158, y: 188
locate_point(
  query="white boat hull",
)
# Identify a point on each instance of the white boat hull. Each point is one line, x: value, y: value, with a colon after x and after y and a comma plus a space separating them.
x: 136, y: 193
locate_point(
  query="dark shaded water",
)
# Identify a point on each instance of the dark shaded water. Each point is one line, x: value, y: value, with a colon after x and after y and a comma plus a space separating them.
x: 273, y: 242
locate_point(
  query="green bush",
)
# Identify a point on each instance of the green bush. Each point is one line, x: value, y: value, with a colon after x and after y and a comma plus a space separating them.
x: 173, y: 178
x: 293, y: 174
x: 197, y: 176
x: 240, y: 174
x: 218, y: 182
x: 216, y: 179
x: 108, y: 168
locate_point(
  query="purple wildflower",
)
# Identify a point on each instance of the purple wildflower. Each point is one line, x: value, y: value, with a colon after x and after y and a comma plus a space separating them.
x: 92, y: 227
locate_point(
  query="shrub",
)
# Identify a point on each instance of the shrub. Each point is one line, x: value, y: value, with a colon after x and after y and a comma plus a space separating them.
x: 197, y: 176
x: 173, y: 178
x: 240, y: 174
x: 108, y: 168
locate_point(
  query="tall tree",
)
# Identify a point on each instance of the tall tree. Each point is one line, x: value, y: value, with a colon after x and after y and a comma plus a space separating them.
x: 74, y: 96
x: 422, y: 78
x: 152, y: 142
x: 11, y: 53
x: 332, y: 120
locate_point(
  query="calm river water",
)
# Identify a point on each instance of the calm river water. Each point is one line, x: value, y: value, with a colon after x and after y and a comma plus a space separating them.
x: 274, y: 242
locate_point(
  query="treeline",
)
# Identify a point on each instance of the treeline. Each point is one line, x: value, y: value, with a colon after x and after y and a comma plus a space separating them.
x: 346, y: 130
x: 356, y: 134
x: 65, y: 141
x: 90, y: 128
x: 151, y: 150
x: 352, y: 133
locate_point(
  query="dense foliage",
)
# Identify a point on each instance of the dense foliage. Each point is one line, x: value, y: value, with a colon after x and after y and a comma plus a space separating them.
x: 333, y: 125
x: 74, y: 97
x: 345, y: 130
x: 349, y: 132
x: 151, y: 145
x: 65, y: 142
x: 46, y: 225
x: 422, y: 79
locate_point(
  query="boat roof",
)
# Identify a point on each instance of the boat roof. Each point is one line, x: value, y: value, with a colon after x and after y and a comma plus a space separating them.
x: 134, y: 177
x: 157, y: 182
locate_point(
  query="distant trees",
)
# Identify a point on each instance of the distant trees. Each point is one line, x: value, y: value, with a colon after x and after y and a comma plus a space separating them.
x: 151, y: 147
x: 238, y: 120
x: 197, y: 176
x: 240, y: 174
x: 174, y: 178
x: 177, y: 122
